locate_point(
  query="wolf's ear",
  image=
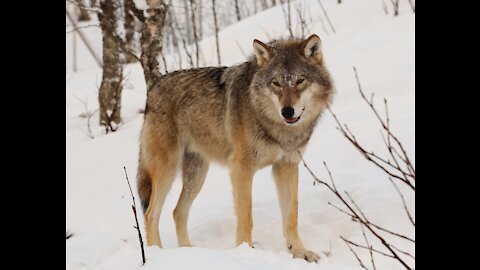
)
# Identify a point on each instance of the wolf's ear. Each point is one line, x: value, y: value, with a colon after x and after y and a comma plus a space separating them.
x: 311, y: 48
x: 263, y: 52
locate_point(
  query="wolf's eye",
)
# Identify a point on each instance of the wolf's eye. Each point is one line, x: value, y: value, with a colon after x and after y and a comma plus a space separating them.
x: 299, y: 81
x: 276, y: 83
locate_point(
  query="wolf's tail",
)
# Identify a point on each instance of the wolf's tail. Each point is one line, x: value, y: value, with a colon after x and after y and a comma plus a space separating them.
x: 144, y: 185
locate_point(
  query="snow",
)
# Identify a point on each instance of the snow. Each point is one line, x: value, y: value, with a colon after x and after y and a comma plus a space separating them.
x: 382, y: 48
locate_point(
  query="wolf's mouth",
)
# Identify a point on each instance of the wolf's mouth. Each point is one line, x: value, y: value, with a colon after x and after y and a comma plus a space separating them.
x: 292, y: 120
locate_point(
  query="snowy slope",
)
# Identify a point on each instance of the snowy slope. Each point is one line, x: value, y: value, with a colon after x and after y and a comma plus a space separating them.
x: 382, y: 47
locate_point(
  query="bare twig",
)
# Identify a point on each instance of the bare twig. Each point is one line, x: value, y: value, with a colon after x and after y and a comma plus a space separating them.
x: 88, y: 114
x: 368, y: 222
x: 354, y: 253
x: 366, y: 247
x: 403, y: 252
x: 403, y: 201
x: 326, y: 16
x: 134, y: 209
x: 82, y: 27
x: 384, y: 6
x: 395, y: 169
x: 369, y: 247
x: 412, y: 5
x: 329, y: 252
x: 383, y: 123
x: 370, y: 156
x: 395, y: 6
x: 357, y: 216
x: 84, y: 39
x: 287, y: 18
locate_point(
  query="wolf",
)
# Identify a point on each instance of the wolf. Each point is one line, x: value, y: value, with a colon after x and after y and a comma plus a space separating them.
x: 248, y: 116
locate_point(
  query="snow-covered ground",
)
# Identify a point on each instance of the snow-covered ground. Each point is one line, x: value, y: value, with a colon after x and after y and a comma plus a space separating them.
x: 382, y: 47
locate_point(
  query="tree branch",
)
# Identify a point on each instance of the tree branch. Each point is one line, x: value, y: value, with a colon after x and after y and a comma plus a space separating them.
x: 134, y: 209
x: 354, y: 253
x: 356, y: 215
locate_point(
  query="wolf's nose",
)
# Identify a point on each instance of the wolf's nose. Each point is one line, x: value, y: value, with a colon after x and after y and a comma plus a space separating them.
x: 288, y: 112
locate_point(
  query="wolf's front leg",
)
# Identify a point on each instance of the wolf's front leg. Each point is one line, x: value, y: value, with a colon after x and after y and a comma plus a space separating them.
x: 286, y: 179
x: 241, y: 173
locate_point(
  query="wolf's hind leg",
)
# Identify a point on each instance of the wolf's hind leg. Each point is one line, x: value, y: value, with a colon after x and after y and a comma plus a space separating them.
x: 159, y: 157
x: 194, y: 171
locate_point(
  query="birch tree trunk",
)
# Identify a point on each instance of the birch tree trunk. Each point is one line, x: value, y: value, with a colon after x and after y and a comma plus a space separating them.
x: 151, y: 40
x: 129, y: 25
x: 109, y: 96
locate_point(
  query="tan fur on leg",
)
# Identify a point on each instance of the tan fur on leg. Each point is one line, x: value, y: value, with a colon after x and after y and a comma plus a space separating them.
x: 286, y: 179
x: 241, y: 173
x: 194, y: 171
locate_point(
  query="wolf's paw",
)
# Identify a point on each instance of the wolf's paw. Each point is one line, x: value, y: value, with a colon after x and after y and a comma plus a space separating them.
x: 305, y: 254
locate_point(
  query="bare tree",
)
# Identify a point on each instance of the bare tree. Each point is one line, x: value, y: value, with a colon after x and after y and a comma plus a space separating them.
x: 214, y: 11
x: 199, y: 16
x: 302, y: 20
x: 171, y: 22
x: 289, y: 19
x: 129, y: 25
x: 237, y: 10
x: 151, y: 39
x: 110, y: 93
x: 195, y: 37
x: 188, y: 27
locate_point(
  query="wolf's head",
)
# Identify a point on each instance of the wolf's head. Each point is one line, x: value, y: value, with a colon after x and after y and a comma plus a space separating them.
x: 292, y: 84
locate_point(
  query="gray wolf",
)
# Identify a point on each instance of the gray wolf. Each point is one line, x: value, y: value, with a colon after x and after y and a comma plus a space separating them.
x: 255, y: 114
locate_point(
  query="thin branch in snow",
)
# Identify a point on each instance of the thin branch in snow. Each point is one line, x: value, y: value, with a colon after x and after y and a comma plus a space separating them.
x: 394, y: 170
x: 358, y: 217
x: 384, y: 124
x: 88, y: 114
x: 369, y: 248
x: 368, y: 222
x: 348, y: 243
x: 365, y: 247
x: 134, y: 209
x: 403, y: 201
